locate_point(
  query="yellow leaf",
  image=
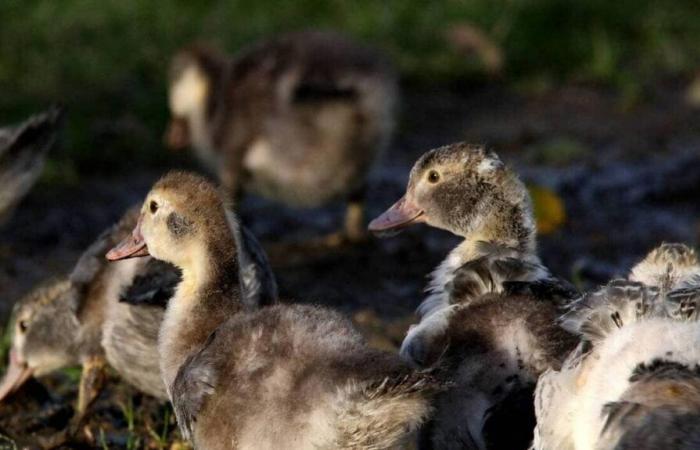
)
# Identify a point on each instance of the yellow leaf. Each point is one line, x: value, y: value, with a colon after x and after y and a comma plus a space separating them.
x: 550, y: 211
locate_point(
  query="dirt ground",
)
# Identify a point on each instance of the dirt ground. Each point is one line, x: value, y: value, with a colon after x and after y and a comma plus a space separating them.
x: 628, y: 175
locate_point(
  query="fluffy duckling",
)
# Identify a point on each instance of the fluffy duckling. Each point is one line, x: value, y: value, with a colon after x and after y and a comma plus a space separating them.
x: 299, y: 118
x: 71, y: 321
x: 110, y: 314
x: 490, y: 317
x: 634, y: 383
x: 282, y: 376
x: 23, y: 150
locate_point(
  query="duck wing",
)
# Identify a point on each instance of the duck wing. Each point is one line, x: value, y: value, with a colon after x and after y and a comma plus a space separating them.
x: 22, y: 154
x: 620, y: 302
x: 497, y: 274
x: 194, y: 383
x: 659, y: 410
x: 154, y: 285
x: 258, y: 283
x: 553, y: 289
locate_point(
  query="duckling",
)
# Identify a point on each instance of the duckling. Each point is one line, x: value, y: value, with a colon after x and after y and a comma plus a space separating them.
x: 109, y: 314
x: 299, y: 118
x: 281, y: 376
x: 490, y: 316
x: 634, y: 380
x: 70, y: 321
x: 23, y: 150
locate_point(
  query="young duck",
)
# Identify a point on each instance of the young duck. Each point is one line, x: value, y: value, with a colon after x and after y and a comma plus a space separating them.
x: 110, y: 313
x: 281, y: 376
x: 633, y: 383
x: 23, y: 150
x: 298, y: 118
x: 490, y: 317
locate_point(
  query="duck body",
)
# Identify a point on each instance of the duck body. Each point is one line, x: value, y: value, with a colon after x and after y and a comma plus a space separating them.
x: 23, y: 150
x: 298, y: 377
x: 497, y: 349
x: 272, y: 377
x: 491, y: 311
x: 633, y: 381
x: 299, y: 118
x: 69, y: 321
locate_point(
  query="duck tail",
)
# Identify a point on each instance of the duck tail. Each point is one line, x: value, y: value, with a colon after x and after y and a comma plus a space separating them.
x: 621, y: 302
x: 386, y: 413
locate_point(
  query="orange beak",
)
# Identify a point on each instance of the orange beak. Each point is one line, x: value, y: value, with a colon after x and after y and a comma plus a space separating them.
x: 402, y: 214
x: 131, y: 247
x: 17, y: 374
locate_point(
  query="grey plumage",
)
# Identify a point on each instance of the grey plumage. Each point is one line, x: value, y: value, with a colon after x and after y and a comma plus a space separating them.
x: 258, y: 284
x: 23, y: 150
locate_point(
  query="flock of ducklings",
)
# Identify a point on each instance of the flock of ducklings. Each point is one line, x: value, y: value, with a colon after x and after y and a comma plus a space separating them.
x: 505, y: 356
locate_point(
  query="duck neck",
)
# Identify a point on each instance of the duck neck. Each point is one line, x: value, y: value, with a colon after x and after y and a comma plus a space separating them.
x: 505, y: 225
x: 207, y: 296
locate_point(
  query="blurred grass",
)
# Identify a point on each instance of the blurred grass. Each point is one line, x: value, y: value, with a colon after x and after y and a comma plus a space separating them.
x: 106, y: 60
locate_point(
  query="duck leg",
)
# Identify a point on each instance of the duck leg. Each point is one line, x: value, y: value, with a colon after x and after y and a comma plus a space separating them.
x: 91, y: 383
x: 355, y: 228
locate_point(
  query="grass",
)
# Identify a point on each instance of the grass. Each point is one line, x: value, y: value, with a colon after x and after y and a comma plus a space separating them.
x: 160, y: 440
x: 5, y: 342
x: 133, y: 440
x: 106, y: 60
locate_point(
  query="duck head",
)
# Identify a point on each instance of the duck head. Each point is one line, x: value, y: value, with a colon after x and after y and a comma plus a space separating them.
x: 194, y: 72
x: 183, y: 221
x: 44, y: 336
x: 463, y: 189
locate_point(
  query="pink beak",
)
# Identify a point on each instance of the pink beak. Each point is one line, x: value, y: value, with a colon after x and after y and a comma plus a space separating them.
x: 401, y: 214
x: 17, y: 374
x: 131, y: 247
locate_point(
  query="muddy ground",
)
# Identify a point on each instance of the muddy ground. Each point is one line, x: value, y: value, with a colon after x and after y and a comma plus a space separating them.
x: 628, y: 174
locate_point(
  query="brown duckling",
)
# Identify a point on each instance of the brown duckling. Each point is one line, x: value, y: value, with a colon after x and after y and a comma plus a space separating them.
x: 299, y: 118
x: 110, y: 314
x: 634, y: 382
x: 281, y: 376
x: 490, y: 317
x: 23, y: 150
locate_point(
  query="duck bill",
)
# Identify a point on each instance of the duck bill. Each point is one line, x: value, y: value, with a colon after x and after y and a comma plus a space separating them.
x: 401, y: 215
x: 17, y: 374
x: 132, y: 246
x: 177, y: 135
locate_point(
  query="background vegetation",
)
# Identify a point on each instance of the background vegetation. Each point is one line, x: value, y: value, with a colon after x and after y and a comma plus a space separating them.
x: 106, y: 60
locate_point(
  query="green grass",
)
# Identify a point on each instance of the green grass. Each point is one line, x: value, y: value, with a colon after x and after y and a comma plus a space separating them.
x: 160, y: 440
x: 106, y: 60
x: 133, y: 440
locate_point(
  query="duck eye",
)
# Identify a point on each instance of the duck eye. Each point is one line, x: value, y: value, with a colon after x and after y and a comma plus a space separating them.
x: 153, y: 206
x: 22, y: 324
x: 433, y: 176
